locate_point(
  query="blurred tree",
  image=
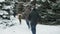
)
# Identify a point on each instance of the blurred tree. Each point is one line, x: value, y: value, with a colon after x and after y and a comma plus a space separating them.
x: 24, y: 0
x: 49, y: 10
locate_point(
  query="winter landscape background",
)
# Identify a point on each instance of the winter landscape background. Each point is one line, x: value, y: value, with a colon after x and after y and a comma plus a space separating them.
x: 12, y: 25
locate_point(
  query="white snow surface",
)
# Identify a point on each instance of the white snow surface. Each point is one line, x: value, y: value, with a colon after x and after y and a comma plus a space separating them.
x: 23, y: 28
x: 2, y: 0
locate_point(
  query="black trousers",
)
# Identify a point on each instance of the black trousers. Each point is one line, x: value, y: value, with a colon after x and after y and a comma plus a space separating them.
x: 33, y: 27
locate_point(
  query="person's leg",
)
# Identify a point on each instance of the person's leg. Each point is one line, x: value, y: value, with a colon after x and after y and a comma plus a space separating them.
x: 20, y: 18
x: 33, y: 28
x: 27, y: 22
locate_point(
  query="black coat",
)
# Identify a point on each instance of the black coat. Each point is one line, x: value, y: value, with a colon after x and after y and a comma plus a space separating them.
x: 34, y: 16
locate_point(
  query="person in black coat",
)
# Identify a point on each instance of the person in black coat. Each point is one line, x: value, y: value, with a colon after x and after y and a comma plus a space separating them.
x: 33, y: 17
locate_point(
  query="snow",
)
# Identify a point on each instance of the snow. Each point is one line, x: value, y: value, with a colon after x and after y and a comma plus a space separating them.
x: 31, y: 0
x: 46, y: 29
x: 3, y: 12
x: 17, y: 29
x: 14, y: 27
x: 23, y: 29
x: 7, y: 7
x: 2, y: 0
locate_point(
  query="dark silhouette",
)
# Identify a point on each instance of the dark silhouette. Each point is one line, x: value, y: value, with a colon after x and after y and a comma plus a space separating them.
x: 33, y: 17
x: 20, y: 18
x: 53, y: 1
x: 15, y: 13
x: 26, y: 14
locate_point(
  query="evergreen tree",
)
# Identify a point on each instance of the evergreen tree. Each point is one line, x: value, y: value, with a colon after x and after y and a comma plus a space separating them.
x: 49, y: 11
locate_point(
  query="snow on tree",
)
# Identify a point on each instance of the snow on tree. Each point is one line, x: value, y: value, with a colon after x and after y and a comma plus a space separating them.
x: 7, y: 13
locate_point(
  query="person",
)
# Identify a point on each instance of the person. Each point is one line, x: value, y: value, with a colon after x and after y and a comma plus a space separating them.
x: 19, y: 9
x: 33, y: 17
x: 26, y: 14
x: 20, y: 17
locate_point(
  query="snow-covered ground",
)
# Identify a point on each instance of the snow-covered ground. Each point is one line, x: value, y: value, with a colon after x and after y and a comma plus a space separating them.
x: 14, y: 27
x: 23, y: 29
x: 45, y: 29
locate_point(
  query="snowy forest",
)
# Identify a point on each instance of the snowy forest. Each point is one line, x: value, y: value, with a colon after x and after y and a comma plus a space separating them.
x: 44, y: 16
x: 47, y: 9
